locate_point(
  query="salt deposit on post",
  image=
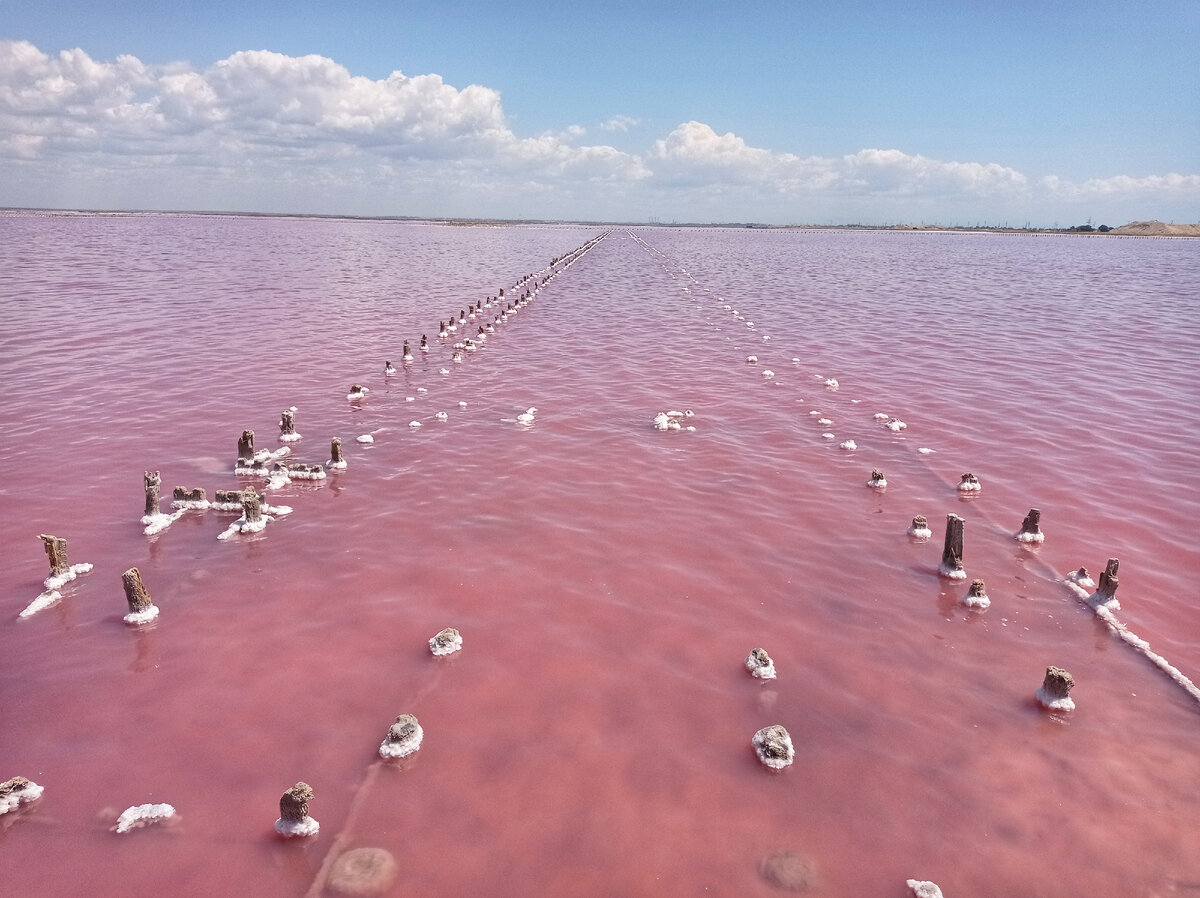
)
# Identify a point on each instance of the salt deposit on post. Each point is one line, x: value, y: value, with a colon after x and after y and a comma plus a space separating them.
x: 357, y: 391
x: 141, y: 609
x: 1031, y: 531
x: 922, y: 888
x: 143, y: 815
x: 246, y: 444
x: 62, y: 571
x: 1106, y: 592
x: 919, y: 528
x: 1055, y: 689
x: 336, y: 461
x: 446, y: 642
x: 287, y: 426
x: 774, y: 746
x: 18, y: 791
x: 977, y: 596
x: 154, y: 520
x: 293, y: 812
x: 403, y: 738
x: 877, y: 481
x: 185, y: 498
x: 760, y: 665
x: 969, y: 483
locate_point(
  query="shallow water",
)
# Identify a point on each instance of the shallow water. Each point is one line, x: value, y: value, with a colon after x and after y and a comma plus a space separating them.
x: 593, y: 735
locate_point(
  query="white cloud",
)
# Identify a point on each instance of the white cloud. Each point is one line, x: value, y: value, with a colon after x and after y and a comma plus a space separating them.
x: 78, y: 131
x: 621, y: 123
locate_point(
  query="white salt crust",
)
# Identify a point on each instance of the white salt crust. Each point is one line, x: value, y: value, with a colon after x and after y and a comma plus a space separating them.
x: 832, y: 383
x: 263, y: 456
x: 774, y: 763
x: 768, y: 373
x: 61, y: 580
x: 1066, y: 703
x: 970, y: 487
x: 849, y: 445
x: 404, y: 748
x: 924, y: 889
x: 881, y: 416
x: 449, y: 649
x: 762, y: 671
x: 191, y: 504
x: 920, y: 532
x: 895, y: 425
x: 825, y: 422
x: 364, y: 438
x: 526, y: 417
x: 143, y: 815
x: 358, y: 394
x: 141, y: 617
x: 1038, y: 537
x: 17, y: 797
x: 925, y: 451
x: 340, y: 465
x: 157, y: 523
x: 951, y: 574
x: 979, y: 602
x: 292, y: 828
x: 878, y: 483
x: 290, y: 437
x: 43, y: 601
x: 241, y: 525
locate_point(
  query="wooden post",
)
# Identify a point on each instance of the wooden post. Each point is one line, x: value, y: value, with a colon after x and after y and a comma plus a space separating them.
x: 152, y: 482
x: 251, y: 506
x: 335, y: 451
x: 183, y: 494
x: 1055, y: 689
x: 969, y: 483
x: 246, y: 444
x: 977, y: 596
x: 135, y: 592
x: 878, y: 481
x: 287, y: 423
x: 1106, y: 590
x: 952, y: 551
x: 56, y: 550
x: 293, y: 806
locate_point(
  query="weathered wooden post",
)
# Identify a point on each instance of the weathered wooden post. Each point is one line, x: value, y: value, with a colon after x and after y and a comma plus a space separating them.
x: 1031, y: 531
x: 977, y: 596
x: 152, y: 482
x: 287, y: 426
x: 252, y: 508
x: 182, y: 497
x: 18, y: 791
x: 760, y: 665
x: 1106, y: 589
x: 969, y: 483
x: 1054, y: 690
x: 246, y: 444
x: 293, y: 812
x: 773, y: 745
x: 141, y: 609
x: 952, y: 551
x: 446, y: 642
x: 919, y: 527
x: 403, y: 738
x: 877, y: 481
x: 56, y: 551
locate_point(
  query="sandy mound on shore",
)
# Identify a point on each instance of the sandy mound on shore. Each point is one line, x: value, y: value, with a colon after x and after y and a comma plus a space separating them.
x: 1157, y: 229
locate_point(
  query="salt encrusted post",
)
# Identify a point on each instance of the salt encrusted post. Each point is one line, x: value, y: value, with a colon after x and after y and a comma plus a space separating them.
x: 1055, y: 688
x: 920, y: 527
x: 878, y: 481
x: 1031, y: 531
x: 135, y: 592
x: 293, y: 812
x: 1106, y: 589
x: 335, y: 451
x: 977, y: 596
x: 152, y: 482
x: 969, y: 483
x: 195, y: 496
x: 251, y: 506
x: 246, y: 444
x: 952, y: 551
x: 56, y: 550
x: 287, y: 424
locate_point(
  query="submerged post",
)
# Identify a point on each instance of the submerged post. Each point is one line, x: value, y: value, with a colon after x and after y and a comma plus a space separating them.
x: 969, y: 483
x: 1106, y: 590
x: 920, y: 527
x: 952, y: 551
x: 251, y: 506
x: 335, y: 452
x: 246, y: 444
x: 141, y: 608
x: 287, y: 425
x: 152, y: 482
x: 293, y: 812
x: 1053, y: 693
x: 1031, y: 531
x: 56, y: 551
x: 977, y: 596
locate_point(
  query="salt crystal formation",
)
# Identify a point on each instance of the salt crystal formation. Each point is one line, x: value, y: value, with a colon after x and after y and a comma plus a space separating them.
x: 877, y: 481
x: 760, y: 665
x: 293, y: 812
x: 969, y: 483
x: 143, y: 815
x: 362, y: 872
x: 789, y: 871
x: 920, y: 528
x: 774, y: 746
x: 924, y: 889
x: 673, y: 420
x: 1031, y: 531
x: 447, y: 642
x: 1054, y: 690
x: 18, y: 791
x: 403, y: 738
x: 977, y: 596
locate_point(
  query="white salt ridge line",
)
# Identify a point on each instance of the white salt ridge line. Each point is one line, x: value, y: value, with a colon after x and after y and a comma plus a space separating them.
x: 292, y: 828
x: 43, y: 601
x: 157, y: 523
x: 143, y: 815
x: 192, y: 504
x: 141, y: 617
x: 1105, y: 614
x: 60, y: 580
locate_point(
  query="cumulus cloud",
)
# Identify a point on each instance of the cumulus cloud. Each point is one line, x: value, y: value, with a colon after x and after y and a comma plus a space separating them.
x: 308, y: 131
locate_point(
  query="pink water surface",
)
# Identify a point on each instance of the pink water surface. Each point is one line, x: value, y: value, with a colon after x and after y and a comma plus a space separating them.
x: 593, y: 736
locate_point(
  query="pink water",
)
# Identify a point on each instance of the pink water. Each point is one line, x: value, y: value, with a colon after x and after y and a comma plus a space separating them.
x: 593, y: 736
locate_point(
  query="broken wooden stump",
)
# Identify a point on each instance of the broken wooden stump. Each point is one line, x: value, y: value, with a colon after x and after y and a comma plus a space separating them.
x: 1106, y: 589
x: 1054, y: 690
x: 446, y: 642
x: 228, y: 500
x: 141, y: 609
x: 246, y: 444
x: 152, y: 482
x: 773, y: 745
x: 969, y: 483
x: 1031, y: 531
x: 357, y: 391
x: 56, y: 551
x: 760, y: 665
x: 977, y: 596
x: 403, y: 738
x: 16, y: 792
x: 919, y: 528
x: 287, y: 426
x: 952, y: 551
x: 293, y: 812
x: 251, y: 506
x: 877, y: 481
x: 182, y: 497
x: 335, y: 453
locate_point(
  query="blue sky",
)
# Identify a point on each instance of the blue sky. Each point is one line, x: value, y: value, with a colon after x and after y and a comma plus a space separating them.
x: 776, y: 112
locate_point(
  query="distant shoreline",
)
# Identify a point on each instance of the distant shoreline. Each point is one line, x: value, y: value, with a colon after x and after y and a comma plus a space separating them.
x: 1132, y: 229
